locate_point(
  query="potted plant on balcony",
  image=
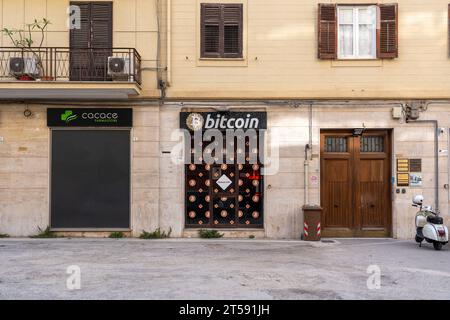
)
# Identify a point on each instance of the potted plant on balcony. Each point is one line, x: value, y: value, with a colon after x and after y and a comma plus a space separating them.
x: 32, y: 67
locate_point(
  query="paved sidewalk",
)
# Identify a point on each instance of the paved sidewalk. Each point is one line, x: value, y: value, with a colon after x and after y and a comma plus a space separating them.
x: 221, y: 269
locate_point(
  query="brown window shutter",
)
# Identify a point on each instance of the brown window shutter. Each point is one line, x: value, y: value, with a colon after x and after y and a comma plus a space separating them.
x: 327, y: 44
x: 101, y: 15
x: 387, y: 44
x: 232, y: 30
x: 210, y: 30
x: 80, y: 38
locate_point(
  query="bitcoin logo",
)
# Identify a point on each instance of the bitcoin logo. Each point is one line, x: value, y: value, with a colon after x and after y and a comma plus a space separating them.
x: 195, y: 121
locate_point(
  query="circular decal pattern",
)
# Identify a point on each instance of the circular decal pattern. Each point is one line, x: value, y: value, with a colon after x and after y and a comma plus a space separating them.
x: 240, y: 214
x: 223, y: 213
x: 192, y: 183
x: 192, y: 167
x: 207, y: 214
x: 192, y: 198
x: 255, y: 214
x: 192, y: 214
x: 255, y: 198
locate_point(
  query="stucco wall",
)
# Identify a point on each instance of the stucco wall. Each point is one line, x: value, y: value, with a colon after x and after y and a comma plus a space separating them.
x: 134, y: 26
x: 280, y: 55
x: 284, y: 191
x: 158, y: 184
x: 24, y: 169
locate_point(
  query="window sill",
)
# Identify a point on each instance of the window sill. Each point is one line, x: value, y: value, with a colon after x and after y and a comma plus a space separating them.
x: 222, y: 59
x: 222, y: 62
x: 357, y: 63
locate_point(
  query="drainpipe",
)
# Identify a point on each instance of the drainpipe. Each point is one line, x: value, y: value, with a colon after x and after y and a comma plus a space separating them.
x: 436, y: 158
x: 308, y: 149
x: 306, y: 180
x: 169, y: 42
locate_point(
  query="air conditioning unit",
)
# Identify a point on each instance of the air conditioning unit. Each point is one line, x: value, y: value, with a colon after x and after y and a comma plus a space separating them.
x: 19, y: 66
x: 120, y: 68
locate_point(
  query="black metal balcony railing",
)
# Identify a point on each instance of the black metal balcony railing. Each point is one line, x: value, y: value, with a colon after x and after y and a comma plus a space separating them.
x: 70, y: 64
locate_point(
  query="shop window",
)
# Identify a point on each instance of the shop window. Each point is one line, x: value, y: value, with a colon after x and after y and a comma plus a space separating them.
x: 335, y: 144
x: 221, y: 30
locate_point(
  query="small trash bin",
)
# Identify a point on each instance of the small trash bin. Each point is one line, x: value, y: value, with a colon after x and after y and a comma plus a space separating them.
x: 312, y: 228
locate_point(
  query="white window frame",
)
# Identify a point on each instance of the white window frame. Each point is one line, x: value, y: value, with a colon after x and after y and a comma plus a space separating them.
x: 356, y: 55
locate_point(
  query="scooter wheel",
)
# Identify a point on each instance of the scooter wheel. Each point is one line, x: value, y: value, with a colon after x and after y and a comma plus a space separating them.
x: 437, y: 245
x: 418, y: 239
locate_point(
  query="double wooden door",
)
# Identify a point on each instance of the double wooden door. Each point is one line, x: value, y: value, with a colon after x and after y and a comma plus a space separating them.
x: 355, y: 183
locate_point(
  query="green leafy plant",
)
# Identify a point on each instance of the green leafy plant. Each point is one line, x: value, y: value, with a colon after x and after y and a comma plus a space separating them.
x: 4, y: 235
x: 252, y: 236
x: 23, y: 38
x: 208, y: 234
x: 46, y: 233
x: 116, y: 235
x: 157, y: 234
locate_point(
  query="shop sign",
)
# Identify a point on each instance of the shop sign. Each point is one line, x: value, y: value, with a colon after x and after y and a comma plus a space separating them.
x: 89, y: 117
x: 195, y: 121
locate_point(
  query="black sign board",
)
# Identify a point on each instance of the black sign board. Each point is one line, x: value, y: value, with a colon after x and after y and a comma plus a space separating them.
x: 223, y: 120
x: 89, y: 117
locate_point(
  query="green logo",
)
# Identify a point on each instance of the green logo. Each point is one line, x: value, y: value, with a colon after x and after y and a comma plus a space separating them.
x: 68, y: 116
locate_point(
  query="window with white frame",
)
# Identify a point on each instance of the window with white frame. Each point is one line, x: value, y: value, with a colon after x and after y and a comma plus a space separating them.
x: 357, y: 36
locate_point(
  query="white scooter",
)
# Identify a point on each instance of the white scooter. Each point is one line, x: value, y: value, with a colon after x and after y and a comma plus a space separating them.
x: 429, y: 226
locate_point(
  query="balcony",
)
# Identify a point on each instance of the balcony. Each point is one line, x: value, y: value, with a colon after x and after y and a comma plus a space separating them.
x: 69, y: 73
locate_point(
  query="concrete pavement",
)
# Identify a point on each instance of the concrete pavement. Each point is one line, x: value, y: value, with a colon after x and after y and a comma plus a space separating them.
x: 222, y: 269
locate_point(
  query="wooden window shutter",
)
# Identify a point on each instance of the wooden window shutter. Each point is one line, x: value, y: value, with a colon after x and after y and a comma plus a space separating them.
x: 327, y: 43
x: 96, y: 26
x: 81, y: 38
x: 101, y: 19
x: 232, y: 31
x: 210, y: 30
x: 221, y: 30
x: 387, y: 33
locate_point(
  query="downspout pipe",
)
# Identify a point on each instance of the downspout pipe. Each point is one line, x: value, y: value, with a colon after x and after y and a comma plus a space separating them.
x: 436, y: 158
x: 169, y: 42
x: 306, y: 175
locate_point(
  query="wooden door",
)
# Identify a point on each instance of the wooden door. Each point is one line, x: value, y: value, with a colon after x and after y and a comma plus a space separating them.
x: 91, y: 45
x: 355, y: 189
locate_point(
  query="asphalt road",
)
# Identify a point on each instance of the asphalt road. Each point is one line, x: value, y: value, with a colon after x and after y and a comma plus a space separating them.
x: 222, y: 269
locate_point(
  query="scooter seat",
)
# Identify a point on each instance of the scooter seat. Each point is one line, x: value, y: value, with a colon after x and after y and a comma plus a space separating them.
x: 435, y: 220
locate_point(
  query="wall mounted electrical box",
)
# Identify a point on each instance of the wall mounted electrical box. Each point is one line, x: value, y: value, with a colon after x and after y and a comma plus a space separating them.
x: 397, y: 112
